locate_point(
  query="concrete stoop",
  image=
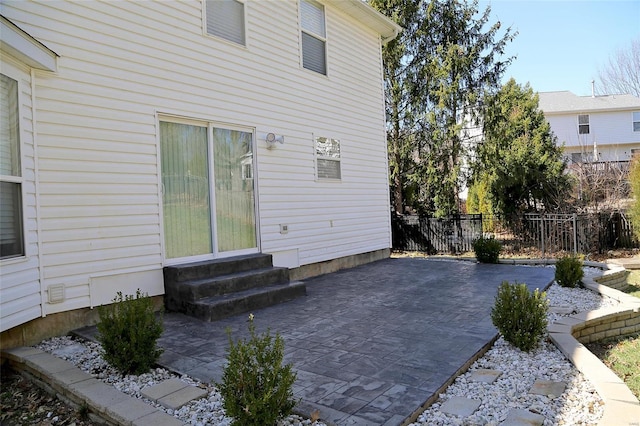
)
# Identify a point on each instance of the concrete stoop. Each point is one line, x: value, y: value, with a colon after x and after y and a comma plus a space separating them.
x: 106, y: 404
x: 215, y: 289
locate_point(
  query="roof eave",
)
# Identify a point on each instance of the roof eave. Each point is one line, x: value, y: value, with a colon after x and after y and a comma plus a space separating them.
x: 360, y: 10
x: 590, y: 110
x: 22, y: 46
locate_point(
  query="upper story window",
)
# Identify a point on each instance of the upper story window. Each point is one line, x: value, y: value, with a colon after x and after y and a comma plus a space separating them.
x: 314, y: 52
x: 636, y: 121
x: 11, y: 231
x: 583, y: 124
x: 225, y: 18
x: 328, y: 158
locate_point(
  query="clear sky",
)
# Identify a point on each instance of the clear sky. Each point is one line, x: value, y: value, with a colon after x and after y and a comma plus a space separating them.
x: 562, y: 43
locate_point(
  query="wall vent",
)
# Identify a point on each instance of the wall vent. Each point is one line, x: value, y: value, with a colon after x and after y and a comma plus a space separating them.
x: 56, y: 293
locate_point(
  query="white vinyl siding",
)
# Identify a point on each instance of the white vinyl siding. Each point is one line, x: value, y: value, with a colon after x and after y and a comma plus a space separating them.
x: 125, y: 63
x: 225, y: 18
x: 20, y: 297
x: 313, y: 36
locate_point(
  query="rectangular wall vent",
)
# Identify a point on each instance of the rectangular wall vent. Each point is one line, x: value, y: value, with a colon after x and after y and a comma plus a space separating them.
x: 56, y: 293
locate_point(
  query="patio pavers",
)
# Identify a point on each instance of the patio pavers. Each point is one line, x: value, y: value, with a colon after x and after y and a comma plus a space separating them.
x: 370, y: 344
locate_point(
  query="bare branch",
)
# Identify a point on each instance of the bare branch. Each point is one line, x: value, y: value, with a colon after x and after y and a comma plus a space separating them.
x: 621, y: 74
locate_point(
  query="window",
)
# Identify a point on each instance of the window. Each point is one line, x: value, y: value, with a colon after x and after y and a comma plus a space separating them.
x: 583, y: 124
x: 576, y: 157
x: 11, y: 238
x: 313, y: 36
x: 636, y: 121
x: 328, y: 158
x: 225, y: 18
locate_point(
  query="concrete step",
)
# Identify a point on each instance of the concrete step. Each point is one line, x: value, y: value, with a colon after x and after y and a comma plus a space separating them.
x: 216, y: 267
x: 190, y: 291
x: 222, y: 306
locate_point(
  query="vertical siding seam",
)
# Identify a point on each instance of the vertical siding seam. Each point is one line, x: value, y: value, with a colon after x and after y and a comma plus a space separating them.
x: 36, y: 183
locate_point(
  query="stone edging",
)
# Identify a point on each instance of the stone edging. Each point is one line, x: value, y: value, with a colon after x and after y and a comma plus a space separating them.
x: 106, y: 405
x: 621, y: 407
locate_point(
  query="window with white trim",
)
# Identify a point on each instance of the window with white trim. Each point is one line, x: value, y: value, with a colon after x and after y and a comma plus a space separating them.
x: 11, y: 228
x: 583, y: 124
x: 328, y: 158
x: 225, y: 18
x: 314, y: 36
x: 636, y: 121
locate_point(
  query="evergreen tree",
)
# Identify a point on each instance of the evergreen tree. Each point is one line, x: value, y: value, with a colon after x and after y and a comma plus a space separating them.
x: 436, y: 73
x: 519, y: 160
x: 634, y: 180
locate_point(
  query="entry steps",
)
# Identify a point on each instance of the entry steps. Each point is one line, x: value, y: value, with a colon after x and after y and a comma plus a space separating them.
x: 215, y: 289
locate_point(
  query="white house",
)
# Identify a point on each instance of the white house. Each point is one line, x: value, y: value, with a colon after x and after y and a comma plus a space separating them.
x: 137, y: 135
x: 594, y: 128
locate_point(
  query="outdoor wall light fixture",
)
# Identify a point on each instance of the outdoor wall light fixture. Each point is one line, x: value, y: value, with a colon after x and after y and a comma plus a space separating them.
x: 272, y: 140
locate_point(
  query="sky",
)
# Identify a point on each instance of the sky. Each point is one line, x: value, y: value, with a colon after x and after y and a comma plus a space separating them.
x: 561, y: 43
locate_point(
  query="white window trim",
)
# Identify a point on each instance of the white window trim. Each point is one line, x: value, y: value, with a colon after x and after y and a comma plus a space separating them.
x: 222, y: 39
x: 210, y: 124
x: 15, y: 75
x: 316, y: 156
x: 584, y: 124
x: 316, y: 36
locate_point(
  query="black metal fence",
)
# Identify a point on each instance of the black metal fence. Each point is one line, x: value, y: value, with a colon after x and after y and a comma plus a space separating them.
x: 546, y: 233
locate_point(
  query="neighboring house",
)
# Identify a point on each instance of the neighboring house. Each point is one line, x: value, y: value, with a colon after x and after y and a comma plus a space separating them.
x: 137, y: 135
x: 596, y: 129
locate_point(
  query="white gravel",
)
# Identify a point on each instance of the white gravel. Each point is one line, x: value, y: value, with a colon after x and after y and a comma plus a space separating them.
x: 578, y: 405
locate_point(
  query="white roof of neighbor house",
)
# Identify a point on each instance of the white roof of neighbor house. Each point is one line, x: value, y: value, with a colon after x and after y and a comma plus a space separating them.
x: 565, y: 102
x: 369, y: 16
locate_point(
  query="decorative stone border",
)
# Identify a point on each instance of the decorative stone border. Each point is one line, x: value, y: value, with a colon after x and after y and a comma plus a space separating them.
x: 621, y: 407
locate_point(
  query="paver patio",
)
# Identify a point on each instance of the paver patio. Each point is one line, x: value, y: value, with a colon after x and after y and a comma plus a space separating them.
x: 369, y: 344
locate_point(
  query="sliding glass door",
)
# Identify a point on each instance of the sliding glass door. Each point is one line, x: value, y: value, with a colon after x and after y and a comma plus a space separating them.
x: 208, y: 191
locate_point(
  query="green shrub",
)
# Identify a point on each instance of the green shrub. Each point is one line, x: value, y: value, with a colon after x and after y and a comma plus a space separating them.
x: 519, y: 315
x: 569, y: 271
x: 128, y: 331
x: 256, y: 387
x: 487, y: 250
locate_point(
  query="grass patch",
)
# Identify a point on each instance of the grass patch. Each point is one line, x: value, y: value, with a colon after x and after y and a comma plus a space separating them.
x: 623, y: 357
x: 634, y: 283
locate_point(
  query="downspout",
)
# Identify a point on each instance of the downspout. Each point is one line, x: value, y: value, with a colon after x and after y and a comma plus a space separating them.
x: 36, y: 178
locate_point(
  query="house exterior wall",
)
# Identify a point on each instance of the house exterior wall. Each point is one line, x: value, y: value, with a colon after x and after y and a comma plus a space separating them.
x: 123, y: 65
x: 20, y: 297
x: 612, y: 133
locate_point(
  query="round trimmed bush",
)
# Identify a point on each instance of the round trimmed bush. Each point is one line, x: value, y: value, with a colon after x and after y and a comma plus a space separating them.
x: 569, y: 271
x: 487, y: 250
x: 520, y: 315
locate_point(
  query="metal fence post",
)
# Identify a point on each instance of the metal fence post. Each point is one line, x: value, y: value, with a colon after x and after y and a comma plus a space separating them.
x: 575, y: 234
x: 542, y: 236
